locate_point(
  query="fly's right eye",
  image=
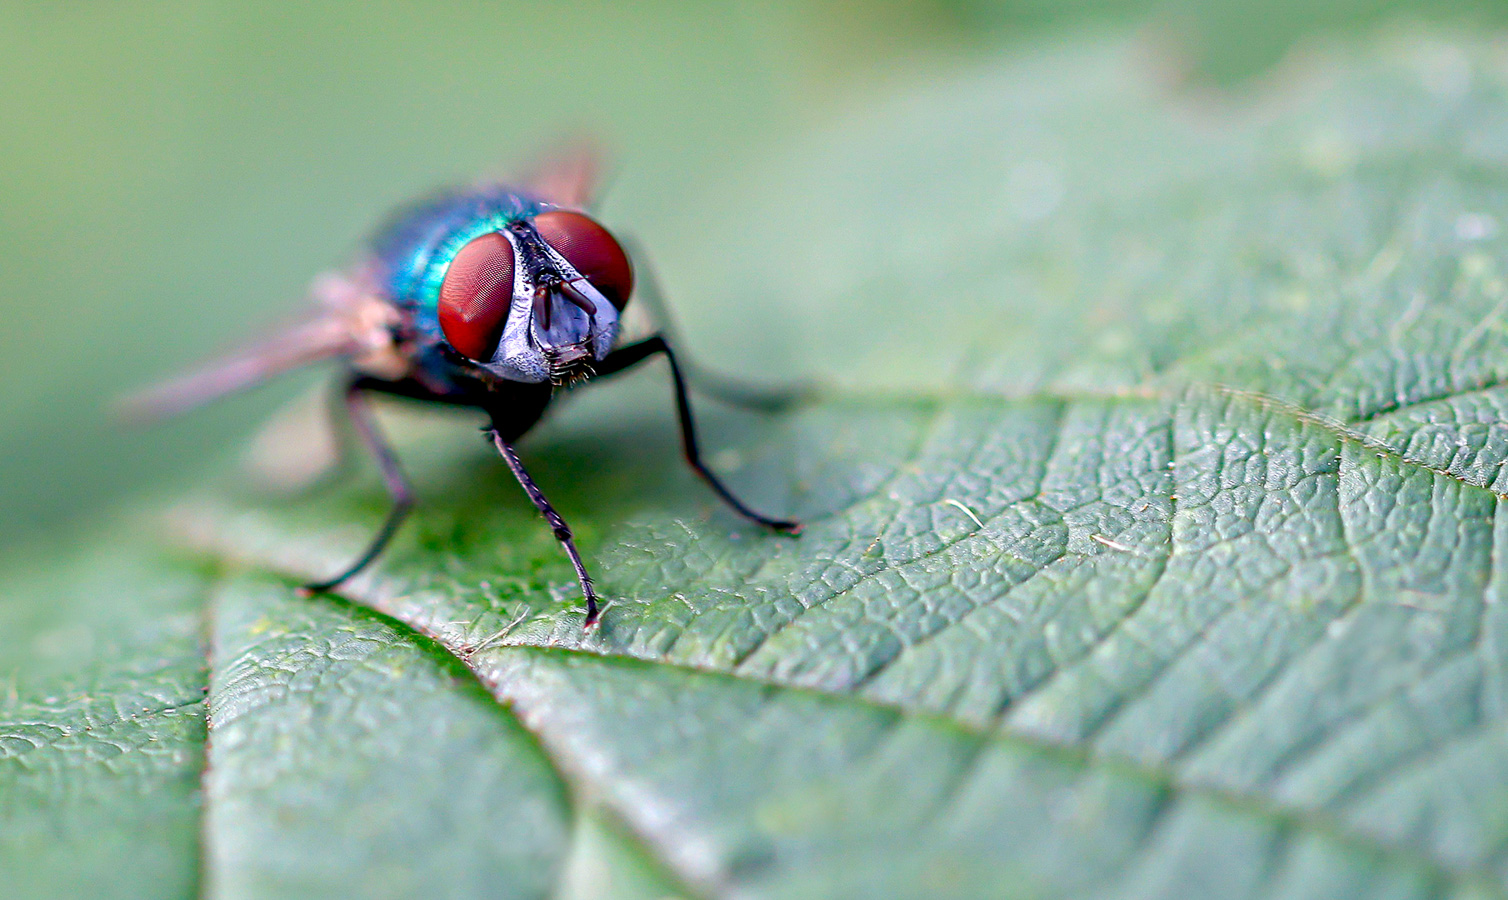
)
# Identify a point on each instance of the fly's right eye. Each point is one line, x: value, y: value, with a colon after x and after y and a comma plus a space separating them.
x: 477, y: 295
x: 591, y: 250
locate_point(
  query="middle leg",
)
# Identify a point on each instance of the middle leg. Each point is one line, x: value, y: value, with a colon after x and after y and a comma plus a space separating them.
x: 392, y: 476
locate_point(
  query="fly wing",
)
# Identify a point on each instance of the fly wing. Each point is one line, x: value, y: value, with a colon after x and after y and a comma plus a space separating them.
x: 304, y: 442
x: 304, y: 343
x: 352, y: 322
x: 570, y: 177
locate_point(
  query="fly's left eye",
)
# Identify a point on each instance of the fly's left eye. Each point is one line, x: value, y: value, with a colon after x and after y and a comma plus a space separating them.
x: 477, y: 295
x: 591, y: 249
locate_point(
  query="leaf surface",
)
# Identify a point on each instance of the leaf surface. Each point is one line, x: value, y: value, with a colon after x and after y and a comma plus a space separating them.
x: 1152, y: 538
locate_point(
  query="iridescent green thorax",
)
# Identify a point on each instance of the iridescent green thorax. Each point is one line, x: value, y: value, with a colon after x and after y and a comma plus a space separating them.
x: 416, y: 247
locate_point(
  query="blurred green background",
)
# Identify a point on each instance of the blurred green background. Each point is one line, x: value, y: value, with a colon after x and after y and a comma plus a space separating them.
x: 173, y: 173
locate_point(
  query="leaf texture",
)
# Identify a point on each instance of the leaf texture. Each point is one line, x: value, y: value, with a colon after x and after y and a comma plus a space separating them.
x: 1153, y: 546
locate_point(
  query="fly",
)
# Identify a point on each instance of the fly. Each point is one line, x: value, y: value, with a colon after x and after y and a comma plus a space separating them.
x: 491, y: 297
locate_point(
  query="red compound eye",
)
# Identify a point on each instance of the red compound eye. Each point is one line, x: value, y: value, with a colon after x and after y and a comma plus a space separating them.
x: 476, y: 296
x: 589, y: 247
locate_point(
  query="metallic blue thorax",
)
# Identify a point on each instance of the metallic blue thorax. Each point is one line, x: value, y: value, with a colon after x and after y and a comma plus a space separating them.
x: 414, y: 250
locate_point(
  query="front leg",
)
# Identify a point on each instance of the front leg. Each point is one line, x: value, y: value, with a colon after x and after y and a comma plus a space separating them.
x: 633, y: 354
x: 557, y: 524
x: 649, y: 295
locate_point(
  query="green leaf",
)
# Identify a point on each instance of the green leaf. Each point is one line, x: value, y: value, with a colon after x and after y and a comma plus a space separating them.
x: 322, y: 718
x: 101, y: 726
x: 1152, y: 533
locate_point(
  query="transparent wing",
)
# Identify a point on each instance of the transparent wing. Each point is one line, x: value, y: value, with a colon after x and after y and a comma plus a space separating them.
x: 297, y: 346
x: 350, y: 322
x: 570, y: 175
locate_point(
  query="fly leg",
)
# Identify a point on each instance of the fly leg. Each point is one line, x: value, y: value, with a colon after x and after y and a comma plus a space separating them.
x: 392, y: 476
x: 633, y: 354
x: 766, y: 398
x: 557, y: 524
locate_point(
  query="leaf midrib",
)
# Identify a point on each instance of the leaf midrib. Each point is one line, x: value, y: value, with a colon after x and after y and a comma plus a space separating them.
x: 1164, y: 778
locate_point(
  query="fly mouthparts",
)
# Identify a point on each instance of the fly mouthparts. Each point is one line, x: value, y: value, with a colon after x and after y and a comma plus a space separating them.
x: 569, y: 365
x: 568, y: 292
x: 542, y: 306
x: 577, y: 299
